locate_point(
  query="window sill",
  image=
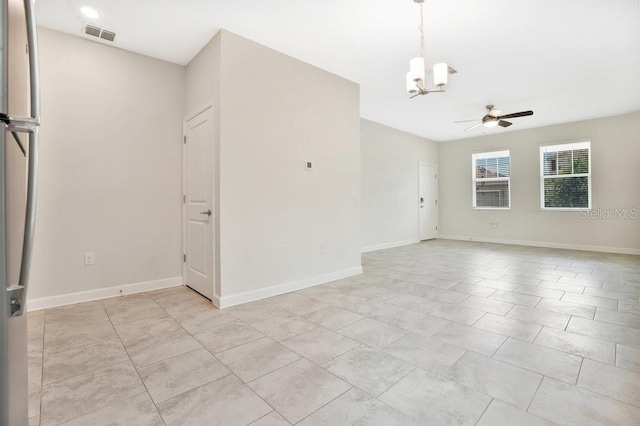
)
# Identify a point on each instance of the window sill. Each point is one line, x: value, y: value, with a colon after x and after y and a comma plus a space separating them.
x: 491, y: 208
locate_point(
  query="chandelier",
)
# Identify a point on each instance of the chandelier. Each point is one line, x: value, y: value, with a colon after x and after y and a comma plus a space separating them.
x: 416, y: 82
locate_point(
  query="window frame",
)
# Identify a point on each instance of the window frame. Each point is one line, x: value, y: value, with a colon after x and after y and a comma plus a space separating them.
x: 474, y: 179
x: 566, y: 146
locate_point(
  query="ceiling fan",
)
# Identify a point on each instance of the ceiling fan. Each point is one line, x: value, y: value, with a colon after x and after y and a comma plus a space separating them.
x: 493, y: 118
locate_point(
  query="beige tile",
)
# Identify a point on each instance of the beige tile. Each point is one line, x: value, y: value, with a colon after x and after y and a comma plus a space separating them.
x: 339, y: 299
x: 126, y: 312
x: 487, y: 305
x: 199, y: 321
x: 500, y: 413
x: 456, y: 313
x: 35, y: 395
x: 255, y: 311
x: 509, y: 327
x: 133, y: 331
x: 297, y: 304
x: 226, y: 401
x: 561, y: 286
x: 567, y: 308
x: 34, y: 421
x: 257, y: 358
x: 375, y: 309
x: 473, y: 290
x: 546, y: 361
x: 539, y: 316
x: 356, y: 408
x: 427, y: 353
x: 617, y: 295
x: 443, y: 295
x: 67, y: 317
x: 432, y: 400
x: 333, y: 317
x: 34, y: 362
x: 503, y: 381
x: 628, y: 357
x: 271, y: 419
x: 78, y: 336
x: 163, y: 346
x: 569, y: 405
x: 181, y: 373
x: 35, y: 339
x: 515, y: 298
x: 417, y: 323
x: 373, y: 333
x: 138, y: 410
x: 136, y: 298
x: 614, y: 382
x: 605, y: 331
x: 577, y: 344
x: 375, y: 293
x: 539, y: 291
x: 620, y: 318
x: 470, y: 338
x: 370, y: 370
x: 413, y: 302
x: 35, y: 320
x: 74, y: 362
x: 299, y: 389
x: 80, y: 395
x: 284, y: 327
x: 629, y: 307
x: 320, y: 345
x: 227, y: 336
x: 599, y: 302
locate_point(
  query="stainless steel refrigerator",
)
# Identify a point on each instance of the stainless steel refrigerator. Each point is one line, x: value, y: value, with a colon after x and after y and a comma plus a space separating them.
x: 19, y: 120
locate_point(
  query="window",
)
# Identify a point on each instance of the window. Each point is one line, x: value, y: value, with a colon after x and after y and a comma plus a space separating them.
x: 565, y: 176
x: 491, y: 171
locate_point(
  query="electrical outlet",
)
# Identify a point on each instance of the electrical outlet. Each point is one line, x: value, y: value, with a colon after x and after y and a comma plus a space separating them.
x: 89, y: 259
x: 494, y: 225
x: 324, y: 248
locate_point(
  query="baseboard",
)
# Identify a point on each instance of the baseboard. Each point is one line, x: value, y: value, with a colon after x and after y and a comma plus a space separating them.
x: 383, y: 246
x: 250, y: 296
x: 101, y: 293
x: 581, y: 247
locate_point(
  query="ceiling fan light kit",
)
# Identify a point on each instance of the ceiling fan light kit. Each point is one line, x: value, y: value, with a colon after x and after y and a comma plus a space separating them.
x: 416, y: 77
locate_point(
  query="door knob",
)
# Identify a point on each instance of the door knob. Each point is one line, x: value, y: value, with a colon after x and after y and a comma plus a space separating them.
x: 208, y: 212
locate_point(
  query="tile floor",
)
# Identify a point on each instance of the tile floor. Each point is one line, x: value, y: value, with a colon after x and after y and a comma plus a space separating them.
x: 435, y: 333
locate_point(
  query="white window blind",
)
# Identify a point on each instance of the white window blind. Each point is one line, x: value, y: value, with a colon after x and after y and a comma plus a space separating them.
x: 491, y: 173
x: 565, y: 176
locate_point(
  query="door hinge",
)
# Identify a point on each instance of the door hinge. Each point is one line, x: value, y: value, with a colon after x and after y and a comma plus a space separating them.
x: 184, y: 139
x: 436, y: 176
x: 436, y: 202
x: 184, y: 257
x: 436, y: 228
x: 184, y: 198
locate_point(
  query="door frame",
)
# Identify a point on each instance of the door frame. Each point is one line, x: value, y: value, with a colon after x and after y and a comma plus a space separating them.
x: 435, y: 196
x: 183, y: 204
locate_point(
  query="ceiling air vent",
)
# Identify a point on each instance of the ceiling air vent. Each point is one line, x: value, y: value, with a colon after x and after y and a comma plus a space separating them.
x: 98, y: 32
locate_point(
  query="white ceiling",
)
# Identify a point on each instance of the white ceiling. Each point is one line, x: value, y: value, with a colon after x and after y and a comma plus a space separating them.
x: 567, y: 60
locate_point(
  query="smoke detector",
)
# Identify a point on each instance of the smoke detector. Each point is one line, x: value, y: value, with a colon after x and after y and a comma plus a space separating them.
x: 96, y: 31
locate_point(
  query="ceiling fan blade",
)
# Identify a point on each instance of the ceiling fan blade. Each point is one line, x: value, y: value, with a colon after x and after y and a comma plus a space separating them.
x: 473, y: 127
x: 516, y: 114
x: 466, y: 121
x: 494, y: 113
x: 503, y: 123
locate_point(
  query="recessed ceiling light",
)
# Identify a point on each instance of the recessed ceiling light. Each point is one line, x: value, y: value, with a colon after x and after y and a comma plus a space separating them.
x: 90, y: 12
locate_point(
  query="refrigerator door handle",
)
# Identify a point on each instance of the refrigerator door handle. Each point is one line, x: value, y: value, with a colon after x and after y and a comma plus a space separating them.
x: 34, y: 70
x: 17, y: 294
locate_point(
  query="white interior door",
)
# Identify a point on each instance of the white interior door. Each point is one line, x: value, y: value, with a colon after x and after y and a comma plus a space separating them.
x: 428, y: 201
x: 198, y: 200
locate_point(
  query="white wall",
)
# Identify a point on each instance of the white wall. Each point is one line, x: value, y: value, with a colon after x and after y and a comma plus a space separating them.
x: 615, y: 149
x: 276, y: 114
x: 110, y: 168
x: 390, y: 160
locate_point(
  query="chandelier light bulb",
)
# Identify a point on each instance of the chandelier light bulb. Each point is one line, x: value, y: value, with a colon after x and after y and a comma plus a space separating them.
x: 440, y: 74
